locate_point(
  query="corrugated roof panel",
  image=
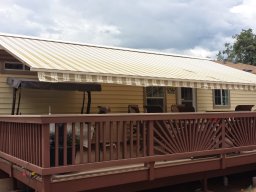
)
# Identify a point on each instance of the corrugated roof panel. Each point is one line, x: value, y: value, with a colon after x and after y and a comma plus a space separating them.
x: 63, y: 61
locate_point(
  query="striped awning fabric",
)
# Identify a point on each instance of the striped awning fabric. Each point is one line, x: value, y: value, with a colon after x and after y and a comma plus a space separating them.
x: 57, y: 61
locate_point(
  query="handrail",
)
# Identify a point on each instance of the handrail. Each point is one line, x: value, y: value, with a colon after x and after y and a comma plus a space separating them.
x: 60, y: 118
x: 121, y: 139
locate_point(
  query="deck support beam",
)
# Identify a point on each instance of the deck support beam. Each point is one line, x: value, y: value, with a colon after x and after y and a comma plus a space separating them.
x: 205, y: 185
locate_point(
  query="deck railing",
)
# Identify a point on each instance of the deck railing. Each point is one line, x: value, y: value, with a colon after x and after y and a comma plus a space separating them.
x: 51, y: 144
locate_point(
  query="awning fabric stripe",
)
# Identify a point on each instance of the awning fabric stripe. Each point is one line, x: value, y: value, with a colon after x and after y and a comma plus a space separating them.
x: 62, y: 77
x: 57, y: 61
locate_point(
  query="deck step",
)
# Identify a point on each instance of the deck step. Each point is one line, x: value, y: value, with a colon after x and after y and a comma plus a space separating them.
x: 6, y: 185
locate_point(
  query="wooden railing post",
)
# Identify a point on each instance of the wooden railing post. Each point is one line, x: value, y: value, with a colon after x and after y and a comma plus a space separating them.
x: 151, y: 165
x: 151, y: 138
x: 223, y: 143
x: 223, y: 134
x: 45, y: 145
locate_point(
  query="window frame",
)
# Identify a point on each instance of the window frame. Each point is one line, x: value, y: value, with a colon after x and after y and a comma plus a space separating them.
x: 221, y: 106
x: 163, y: 97
x: 23, y: 66
x: 3, y: 70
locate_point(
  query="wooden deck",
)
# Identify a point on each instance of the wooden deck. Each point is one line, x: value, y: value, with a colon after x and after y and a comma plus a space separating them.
x: 91, y: 152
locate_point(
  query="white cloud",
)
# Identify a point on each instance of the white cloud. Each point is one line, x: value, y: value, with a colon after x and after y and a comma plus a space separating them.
x: 196, y: 52
x: 246, y: 11
x: 195, y: 27
x: 200, y: 52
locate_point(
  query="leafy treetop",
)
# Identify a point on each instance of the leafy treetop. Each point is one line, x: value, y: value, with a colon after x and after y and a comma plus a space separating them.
x: 243, y: 50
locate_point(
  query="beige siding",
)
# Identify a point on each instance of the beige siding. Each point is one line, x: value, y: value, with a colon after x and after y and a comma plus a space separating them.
x: 38, y: 101
x: 237, y: 97
x: 171, y: 99
x: 6, y: 95
x: 204, y: 100
x: 118, y: 97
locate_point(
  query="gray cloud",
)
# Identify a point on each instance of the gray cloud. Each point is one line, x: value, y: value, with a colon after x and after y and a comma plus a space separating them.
x: 181, y: 26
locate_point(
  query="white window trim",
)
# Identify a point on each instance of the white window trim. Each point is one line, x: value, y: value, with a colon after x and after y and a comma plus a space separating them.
x: 15, y: 63
x: 221, y: 105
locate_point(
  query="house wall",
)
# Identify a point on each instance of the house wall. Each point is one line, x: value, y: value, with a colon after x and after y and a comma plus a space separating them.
x: 237, y: 97
x: 117, y: 97
x: 33, y: 101
x: 171, y: 99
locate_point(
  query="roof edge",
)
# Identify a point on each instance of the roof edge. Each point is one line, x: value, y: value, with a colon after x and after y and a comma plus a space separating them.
x: 102, y: 46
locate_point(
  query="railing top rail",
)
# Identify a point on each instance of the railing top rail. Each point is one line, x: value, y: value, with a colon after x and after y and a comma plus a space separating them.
x: 67, y: 118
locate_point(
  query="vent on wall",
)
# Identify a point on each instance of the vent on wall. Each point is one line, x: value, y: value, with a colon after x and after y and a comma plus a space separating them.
x: 15, y: 66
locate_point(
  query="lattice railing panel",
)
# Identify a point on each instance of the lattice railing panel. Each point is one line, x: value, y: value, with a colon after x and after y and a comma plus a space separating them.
x: 240, y: 131
x: 177, y: 136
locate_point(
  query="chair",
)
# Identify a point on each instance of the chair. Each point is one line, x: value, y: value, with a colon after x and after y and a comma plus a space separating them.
x: 244, y: 107
x: 177, y: 108
x: 103, y: 109
x: 154, y: 109
x: 133, y: 109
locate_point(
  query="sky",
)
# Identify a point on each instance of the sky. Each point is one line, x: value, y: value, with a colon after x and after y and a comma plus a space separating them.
x: 191, y: 27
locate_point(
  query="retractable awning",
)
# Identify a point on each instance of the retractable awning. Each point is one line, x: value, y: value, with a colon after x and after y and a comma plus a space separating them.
x: 67, y: 86
x: 57, y: 61
x: 18, y: 84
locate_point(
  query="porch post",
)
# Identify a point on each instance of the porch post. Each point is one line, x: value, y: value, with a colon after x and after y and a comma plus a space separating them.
x: 46, y: 183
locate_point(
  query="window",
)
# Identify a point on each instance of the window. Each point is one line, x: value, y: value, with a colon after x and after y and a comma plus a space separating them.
x: 16, y: 66
x: 155, y: 96
x: 221, y: 97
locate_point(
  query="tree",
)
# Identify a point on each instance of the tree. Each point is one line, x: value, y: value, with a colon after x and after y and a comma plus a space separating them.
x: 242, y: 50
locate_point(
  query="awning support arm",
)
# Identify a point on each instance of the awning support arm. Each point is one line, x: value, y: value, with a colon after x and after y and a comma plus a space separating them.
x: 89, y: 102
x: 13, y: 100
x: 18, y: 107
x: 82, y: 109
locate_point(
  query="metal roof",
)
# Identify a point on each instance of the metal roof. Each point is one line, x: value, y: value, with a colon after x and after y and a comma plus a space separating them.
x: 58, y: 61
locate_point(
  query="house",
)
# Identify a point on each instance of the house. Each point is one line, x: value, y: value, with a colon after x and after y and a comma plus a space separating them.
x: 44, y: 84
x: 240, y: 66
x: 123, y: 74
